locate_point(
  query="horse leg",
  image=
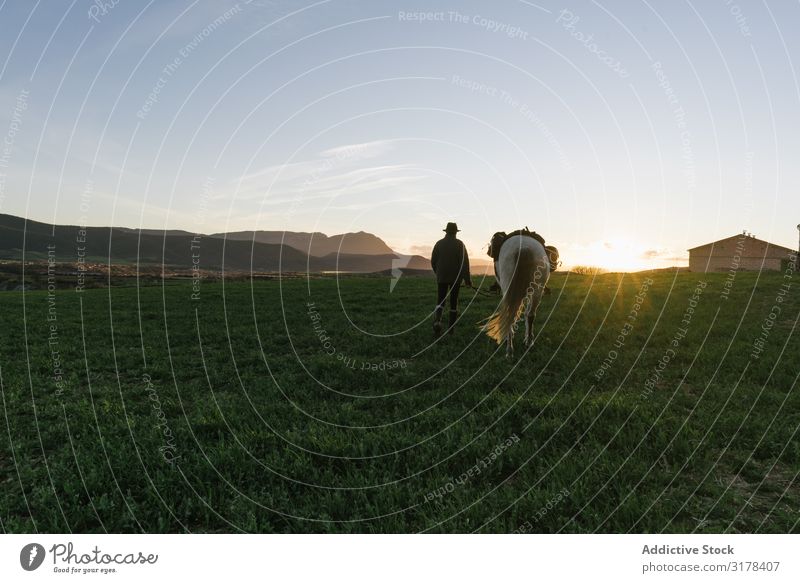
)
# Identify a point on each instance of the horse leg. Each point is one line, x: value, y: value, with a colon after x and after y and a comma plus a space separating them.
x: 528, y: 328
x: 509, y: 345
x: 530, y: 314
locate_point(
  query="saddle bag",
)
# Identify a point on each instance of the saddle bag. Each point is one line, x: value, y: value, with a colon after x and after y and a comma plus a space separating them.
x: 552, y: 255
x: 494, y: 245
x: 501, y: 237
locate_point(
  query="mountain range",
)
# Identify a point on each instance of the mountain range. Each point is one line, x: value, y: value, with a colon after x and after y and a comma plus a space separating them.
x: 316, y: 244
x: 260, y: 251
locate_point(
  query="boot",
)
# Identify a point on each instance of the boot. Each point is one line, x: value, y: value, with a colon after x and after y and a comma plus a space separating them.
x: 453, y: 318
x: 437, y: 322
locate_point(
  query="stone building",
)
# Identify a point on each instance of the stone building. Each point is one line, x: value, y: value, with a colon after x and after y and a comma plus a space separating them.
x: 743, y: 251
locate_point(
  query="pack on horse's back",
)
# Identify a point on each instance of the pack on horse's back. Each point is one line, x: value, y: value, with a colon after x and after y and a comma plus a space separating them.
x: 501, y: 237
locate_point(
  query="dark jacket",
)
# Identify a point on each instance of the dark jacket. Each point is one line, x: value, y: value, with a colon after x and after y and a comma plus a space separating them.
x: 450, y: 261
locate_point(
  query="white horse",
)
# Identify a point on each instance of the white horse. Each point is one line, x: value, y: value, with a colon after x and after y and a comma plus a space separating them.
x: 523, y: 269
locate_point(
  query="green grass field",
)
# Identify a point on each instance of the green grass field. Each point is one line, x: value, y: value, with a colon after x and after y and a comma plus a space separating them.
x: 250, y: 410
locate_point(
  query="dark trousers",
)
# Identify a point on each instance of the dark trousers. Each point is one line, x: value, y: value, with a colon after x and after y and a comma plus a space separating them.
x: 451, y: 289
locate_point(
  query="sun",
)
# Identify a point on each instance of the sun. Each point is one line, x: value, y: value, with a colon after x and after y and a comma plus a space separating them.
x: 614, y: 255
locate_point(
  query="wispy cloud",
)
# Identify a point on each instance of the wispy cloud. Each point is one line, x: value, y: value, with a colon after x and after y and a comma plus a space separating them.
x: 334, y: 172
x: 363, y: 150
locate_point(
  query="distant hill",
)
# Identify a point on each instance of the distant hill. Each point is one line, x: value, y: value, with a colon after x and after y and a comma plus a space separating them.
x: 316, y: 244
x: 179, y: 249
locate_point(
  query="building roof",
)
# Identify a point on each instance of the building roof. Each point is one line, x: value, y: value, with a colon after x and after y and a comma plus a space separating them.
x: 749, y: 237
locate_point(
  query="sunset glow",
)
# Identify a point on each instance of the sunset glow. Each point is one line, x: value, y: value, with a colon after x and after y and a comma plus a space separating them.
x: 621, y: 254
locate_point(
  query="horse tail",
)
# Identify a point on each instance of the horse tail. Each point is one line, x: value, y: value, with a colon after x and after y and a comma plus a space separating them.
x: 500, y: 325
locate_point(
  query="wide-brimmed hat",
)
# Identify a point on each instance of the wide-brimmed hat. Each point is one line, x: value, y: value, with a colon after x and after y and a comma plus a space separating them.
x: 451, y: 228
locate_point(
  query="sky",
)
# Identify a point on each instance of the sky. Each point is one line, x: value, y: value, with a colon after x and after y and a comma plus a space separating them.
x: 624, y: 132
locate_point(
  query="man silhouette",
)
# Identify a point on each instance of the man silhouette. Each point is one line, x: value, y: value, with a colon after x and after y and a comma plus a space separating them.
x: 450, y: 263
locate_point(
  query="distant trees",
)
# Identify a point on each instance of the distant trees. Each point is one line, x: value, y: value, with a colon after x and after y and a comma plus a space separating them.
x: 587, y: 270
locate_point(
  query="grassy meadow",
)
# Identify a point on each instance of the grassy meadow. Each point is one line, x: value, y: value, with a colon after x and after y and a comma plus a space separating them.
x: 648, y: 403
